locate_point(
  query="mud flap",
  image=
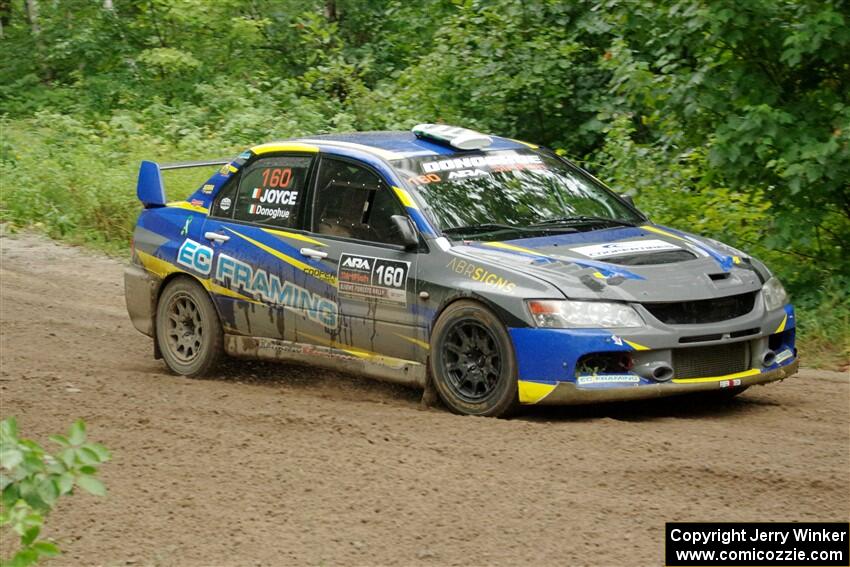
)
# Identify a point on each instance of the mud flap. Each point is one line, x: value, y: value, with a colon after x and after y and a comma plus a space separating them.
x: 429, y: 393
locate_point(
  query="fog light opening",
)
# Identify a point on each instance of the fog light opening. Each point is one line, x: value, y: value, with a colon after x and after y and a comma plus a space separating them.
x: 768, y: 358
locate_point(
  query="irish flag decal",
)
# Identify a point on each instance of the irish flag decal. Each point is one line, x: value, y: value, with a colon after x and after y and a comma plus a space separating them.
x: 256, y: 193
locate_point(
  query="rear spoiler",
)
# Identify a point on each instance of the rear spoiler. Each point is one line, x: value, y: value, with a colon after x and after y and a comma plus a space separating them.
x: 151, y: 191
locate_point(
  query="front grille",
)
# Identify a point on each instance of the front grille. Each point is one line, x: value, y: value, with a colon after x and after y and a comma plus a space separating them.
x: 715, y: 360
x: 703, y: 310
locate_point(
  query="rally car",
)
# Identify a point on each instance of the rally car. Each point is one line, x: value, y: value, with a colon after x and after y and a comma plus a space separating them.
x: 491, y: 270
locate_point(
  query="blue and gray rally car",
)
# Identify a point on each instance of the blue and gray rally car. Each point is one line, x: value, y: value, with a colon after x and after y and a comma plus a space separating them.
x: 491, y: 270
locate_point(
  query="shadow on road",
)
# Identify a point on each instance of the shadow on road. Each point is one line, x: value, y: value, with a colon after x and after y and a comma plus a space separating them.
x: 345, y: 387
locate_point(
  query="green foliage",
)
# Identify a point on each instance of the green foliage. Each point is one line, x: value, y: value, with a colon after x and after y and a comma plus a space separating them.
x: 727, y: 118
x: 32, y: 481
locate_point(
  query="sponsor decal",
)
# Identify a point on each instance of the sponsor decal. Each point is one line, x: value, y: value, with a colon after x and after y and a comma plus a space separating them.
x: 207, y: 189
x: 197, y: 202
x: 225, y: 170
x: 608, y: 379
x: 373, y: 278
x: 494, y: 161
x: 225, y: 204
x: 784, y: 355
x: 245, y: 155
x: 424, y: 179
x: 617, y: 340
x: 195, y: 256
x: 466, y: 173
x: 185, y: 230
x: 275, y: 196
x: 479, y: 274
x: 618, y: 248
x: 730, y: 383
x: 268, y: 212
x: 270, y: 288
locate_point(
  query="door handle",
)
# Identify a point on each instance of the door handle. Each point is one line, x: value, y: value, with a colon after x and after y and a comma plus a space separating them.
x: 315, y: 254
x: 217, y: 236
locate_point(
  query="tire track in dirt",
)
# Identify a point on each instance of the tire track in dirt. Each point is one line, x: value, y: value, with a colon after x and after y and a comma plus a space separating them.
x: 272, y: 465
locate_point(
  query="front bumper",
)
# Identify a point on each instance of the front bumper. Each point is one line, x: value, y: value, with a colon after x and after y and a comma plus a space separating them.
x: 568, y: 393
x: 576, y: 366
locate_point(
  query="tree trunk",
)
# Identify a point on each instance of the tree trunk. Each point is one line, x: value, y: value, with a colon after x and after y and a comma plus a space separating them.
x: 5, y: 15
x: 32, y: 16
x: 330, y: 10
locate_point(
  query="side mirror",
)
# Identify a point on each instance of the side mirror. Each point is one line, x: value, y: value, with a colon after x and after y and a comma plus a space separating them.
x: 405, y: 229
x: 628, y: 199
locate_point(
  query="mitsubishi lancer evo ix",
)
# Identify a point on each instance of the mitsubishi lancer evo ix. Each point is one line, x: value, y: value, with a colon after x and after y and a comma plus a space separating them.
x: 492, y: 269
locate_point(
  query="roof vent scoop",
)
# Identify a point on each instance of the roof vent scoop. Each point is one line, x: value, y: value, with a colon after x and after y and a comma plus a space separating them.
x: 454, y: 136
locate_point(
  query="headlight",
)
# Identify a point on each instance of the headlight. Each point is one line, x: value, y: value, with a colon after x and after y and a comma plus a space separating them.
x: 774, y: 294
x: 565, y: 314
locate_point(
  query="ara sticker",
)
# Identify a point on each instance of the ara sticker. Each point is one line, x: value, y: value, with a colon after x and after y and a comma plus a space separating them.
x: 366, y: 277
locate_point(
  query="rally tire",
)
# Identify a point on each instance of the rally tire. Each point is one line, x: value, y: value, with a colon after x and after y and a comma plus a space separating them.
x: 188, y: 331
x: 472, y: 361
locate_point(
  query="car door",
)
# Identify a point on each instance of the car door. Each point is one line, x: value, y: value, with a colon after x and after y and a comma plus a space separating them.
x: 375, y: 291
x: 262, y: 284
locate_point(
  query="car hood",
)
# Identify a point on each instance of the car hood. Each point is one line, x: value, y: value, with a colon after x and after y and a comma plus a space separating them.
x: 648, y: 263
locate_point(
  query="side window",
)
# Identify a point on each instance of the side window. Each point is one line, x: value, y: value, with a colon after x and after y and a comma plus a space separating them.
x: 353, y: 202
x: 271, y: 191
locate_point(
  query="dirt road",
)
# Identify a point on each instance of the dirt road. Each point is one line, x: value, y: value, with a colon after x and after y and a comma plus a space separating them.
x: 276, y: 465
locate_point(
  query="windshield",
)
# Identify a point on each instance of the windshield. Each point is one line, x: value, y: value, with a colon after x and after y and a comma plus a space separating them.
x: 474, y: 195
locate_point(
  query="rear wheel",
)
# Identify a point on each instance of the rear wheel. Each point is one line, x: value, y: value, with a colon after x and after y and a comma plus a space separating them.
x: 472, y: 361
x: 188, y: 331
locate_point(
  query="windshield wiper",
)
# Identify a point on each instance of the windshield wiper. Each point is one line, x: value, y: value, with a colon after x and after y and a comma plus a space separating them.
x: 494, y: 227
x: 485, y: 227
x: 584, y: 219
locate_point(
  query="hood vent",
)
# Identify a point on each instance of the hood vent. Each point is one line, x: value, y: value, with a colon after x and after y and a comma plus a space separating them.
x: 653, y: 258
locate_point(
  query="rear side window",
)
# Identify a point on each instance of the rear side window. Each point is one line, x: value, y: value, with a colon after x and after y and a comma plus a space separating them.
x: 272, y: 190
x: 353, y: 202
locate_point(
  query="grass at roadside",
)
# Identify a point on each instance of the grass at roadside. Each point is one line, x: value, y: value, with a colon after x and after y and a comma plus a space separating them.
x: 76, y: 182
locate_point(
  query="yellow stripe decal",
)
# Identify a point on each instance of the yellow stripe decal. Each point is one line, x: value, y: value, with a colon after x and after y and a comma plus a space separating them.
x: 405, y: 197
x: 751, y: 372
x: 781, y: 326
x: 635, y: 346
x: 156, y: 266
x: 513, y: 248
x: 162, y: 268
x: 417, y: 342
x: 385, y: 154
x: 213, y: 287
x: 529, y: 144
x: 358, y: 352
x: 533, y: 392
x: 294, y: 236
x: 306, y: 268
x: 283, y: 147
x: 657, y: 230
x: 187, y: 206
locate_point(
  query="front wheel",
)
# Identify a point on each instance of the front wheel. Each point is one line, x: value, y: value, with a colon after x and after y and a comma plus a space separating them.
x: 472, y: 361
x: 187, y: 328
